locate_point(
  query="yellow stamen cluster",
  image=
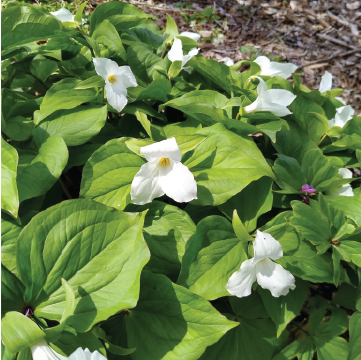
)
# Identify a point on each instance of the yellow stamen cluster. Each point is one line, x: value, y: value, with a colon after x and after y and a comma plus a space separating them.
x: 112, y: 79
x: 164, y: 161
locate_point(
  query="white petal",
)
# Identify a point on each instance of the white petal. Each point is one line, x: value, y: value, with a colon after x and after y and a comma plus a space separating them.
x: 273, y: 68
x: 63, y: 15
x: 189, y: 56
x: 179, y: 184
x: 345, y: 173
x: 274, y: 277
x: 176, y: 51
x: 261, y: 104
x: 97, y: 356
x: 326, y: 82
x: 126, y: 76
x: 281, y: 97
x: 262, y: 89
x: 80, y: 354
x: 145, y: 185
x: 266, y: 246
x: 240, y: 283
x: 345, y: 190
x: 42, y: 351
x: 105, y: 67
x: 116, y: 96
x: 344, y: 113
x: 191, y: 35
x: 228, y: 61
x: 165, y: 148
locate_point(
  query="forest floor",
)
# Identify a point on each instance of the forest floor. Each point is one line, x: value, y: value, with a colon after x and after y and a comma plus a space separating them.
x: 316, y: 35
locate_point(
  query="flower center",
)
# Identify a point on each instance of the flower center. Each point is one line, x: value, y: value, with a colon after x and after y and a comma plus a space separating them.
x: 112, y: 79
x: 164, y: 161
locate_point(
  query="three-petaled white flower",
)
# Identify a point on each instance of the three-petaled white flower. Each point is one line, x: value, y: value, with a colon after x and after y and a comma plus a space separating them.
x: 42, y: 351
x: 117, y: 80
x: 176, y: 53
x: 273, y: 68
x: 273, y: 100
x: 163, y: 174
x: 64, y: 15
x: 343, y: 114
x: 192, y: 35
x: 268, y: 274
x: 227, y: 60
x: 344, y: 190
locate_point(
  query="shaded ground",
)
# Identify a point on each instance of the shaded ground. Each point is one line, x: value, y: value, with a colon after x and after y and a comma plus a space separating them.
x: 316, y: 35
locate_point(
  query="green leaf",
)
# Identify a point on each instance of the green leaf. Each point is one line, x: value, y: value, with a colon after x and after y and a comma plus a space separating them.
x: 108, y: 174
x: 62, y: 96
x: 310, y: 224
x: 19, y: 332
x: 79, y: 13
x: 44, y: 170
x: 166, y: 231
x: 158, y: 89
x: 9, y: 190
x: 174, y: 69
x: 143, y: 35
x: 331, y: 349
x: 239, y: 228
x: 94, y: 81
x: 303, y: 349
x: 25, y: 23
x: 285, y: 308
x: 76, y: 126
x: 202, y: 105
x: 351, y: 206
x: 289, y: 174
x: 351, y: 134
x: 106, y: 34
x: 225, y: 155
x: 19, y: 128
x: 120, y: 14
x: 171, y: 29
x: 42, y: 68
x: 212, y: 255
x: 186, y: 318
x: 56, y: 243
x: 253, y: 201
x: 355, y: 335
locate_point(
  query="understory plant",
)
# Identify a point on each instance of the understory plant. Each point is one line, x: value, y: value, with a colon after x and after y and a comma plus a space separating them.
x: 160, y: 205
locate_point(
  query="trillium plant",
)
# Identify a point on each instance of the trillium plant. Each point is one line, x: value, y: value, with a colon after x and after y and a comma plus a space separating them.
x: 157, y: 204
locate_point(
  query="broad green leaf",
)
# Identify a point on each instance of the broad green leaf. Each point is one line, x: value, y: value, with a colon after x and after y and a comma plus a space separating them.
x: 351, y: 206
x: 212, y: 255
x: 253, y: 201
x: 106, y: 34
x: 44, y: 170
x: 171, y: 29
x: 9, y: 189
x: 331, y: 349
x: 303, y: 349
x: 202, y: 105
x: 56, y: 243
x: 94, y: 81
x: 79, y: 13
x: 158, y: 89
x: 270, y: 127
x: 42, y: 68
x: 166, y: 231
x: 350, y: 251
x: 119, y: 13
x: 174, y: 69
x: 19, y: 331
x: 12, y: 291
x: 10, y: 231
x: 76, y: 126
x: 25, y: 23
x: 355, y: 336
x: 189, y: 323
x: 19, y: 128
x: 79, y: 155
x: 289, y: 174
x: 143, y: 35
x: 336, y: 326
x: 225, y: 155
x: 351, y: 134
x: 285, y: 308
x: 108, y: 174
x: 239, y: 228
x: 63, y: 96
x: 310, y: 224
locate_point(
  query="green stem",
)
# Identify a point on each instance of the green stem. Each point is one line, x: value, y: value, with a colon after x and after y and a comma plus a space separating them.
x: 164, y: 50
x: 66, y: 191
x: 238, y: 115
x: 323, y: 137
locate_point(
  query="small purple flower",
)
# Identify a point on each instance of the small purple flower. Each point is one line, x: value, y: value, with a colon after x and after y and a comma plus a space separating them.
x: 29, y: 312
x: 308, y: 189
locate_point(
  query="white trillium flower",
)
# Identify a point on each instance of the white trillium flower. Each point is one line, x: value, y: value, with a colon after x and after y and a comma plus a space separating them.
x: 42, y: 351
x: 268, y: 274
x: 227, y: 60
x: 192, y: 35
x: 345, y: 190
x: 176, y: 53
x: 343, y: 114
x: 163, y: 174
x: 64, y: 15
x: 273, y: 100
x: 326, y: 85
x: 273, y: 68
x: 117, y: 80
